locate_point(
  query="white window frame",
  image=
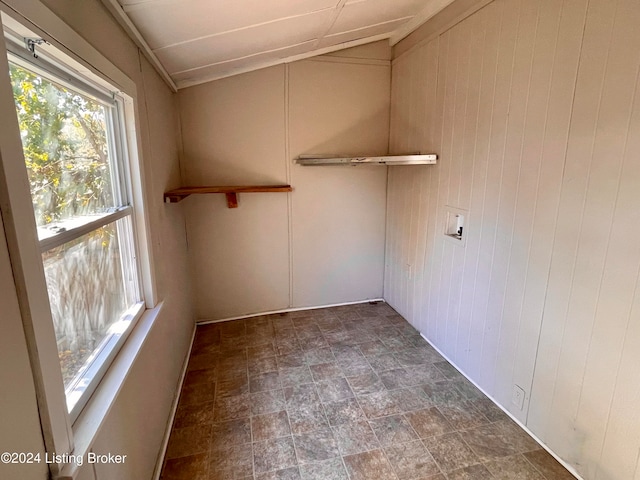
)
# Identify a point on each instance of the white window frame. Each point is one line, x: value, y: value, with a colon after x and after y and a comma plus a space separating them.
x: 63, y: 433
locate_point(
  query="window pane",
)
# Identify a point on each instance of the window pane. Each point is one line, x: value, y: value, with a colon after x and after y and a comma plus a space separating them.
x: 66, y: 148
x: 90, y: 289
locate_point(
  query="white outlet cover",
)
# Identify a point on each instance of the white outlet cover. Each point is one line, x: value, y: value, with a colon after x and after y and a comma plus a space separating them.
x: 518, y: 397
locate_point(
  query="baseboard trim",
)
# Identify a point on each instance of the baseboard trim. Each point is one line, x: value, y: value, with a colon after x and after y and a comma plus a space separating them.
x: 174, y: 408
x: 285, y: 310
x: 570, y: 468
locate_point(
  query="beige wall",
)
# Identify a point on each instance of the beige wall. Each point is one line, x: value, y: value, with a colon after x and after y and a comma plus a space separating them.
x: 321, y: 244
x: 136, y: 424
x: 19, y: 421
x: 532, y: 106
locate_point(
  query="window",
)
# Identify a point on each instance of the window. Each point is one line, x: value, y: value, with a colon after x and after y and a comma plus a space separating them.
x: 75, y: 155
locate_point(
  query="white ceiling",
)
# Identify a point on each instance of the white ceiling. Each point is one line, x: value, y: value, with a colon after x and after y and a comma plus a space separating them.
x: 196, y: 41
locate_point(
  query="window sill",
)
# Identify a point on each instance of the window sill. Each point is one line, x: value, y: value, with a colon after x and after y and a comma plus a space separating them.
x: 93, y: 416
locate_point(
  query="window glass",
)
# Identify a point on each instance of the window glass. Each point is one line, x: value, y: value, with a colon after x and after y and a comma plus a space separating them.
x: 65, y: 140
x: 70, y: 143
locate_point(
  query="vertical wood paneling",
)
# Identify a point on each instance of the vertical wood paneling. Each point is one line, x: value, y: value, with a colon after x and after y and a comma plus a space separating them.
x: 561, y: 91
x: 460, y: 316
x: 471, y: 327
x: 610, y: 209
x: 489, y: 302
x: 530, y: 148
x: 534, y: 111
x: 622, y: 438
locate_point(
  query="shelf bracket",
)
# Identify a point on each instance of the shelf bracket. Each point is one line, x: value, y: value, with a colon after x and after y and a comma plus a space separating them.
x: 232, y: 200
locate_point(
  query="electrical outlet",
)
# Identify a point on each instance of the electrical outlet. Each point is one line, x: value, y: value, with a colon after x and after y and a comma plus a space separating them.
x: 518, y: 397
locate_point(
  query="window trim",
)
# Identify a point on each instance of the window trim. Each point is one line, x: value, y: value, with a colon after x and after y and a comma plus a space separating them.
x: 31, y: 18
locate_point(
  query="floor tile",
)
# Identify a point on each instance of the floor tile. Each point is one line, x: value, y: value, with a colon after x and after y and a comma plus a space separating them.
x: 231, y: 461
x: 448, y: 370
x: 373, y: 348
x: 515, y: 467
x: 354, y: 366
x: 428, y: 422
x: 547, y: 465
x: 343, y: 411
x: 265, y: 381
x: 271, y: 455
x: 287, y: 347
x: 382, y: 363
x: 262, y: 365
x: 332, y: 469
x: 397, y: 378
x: 318, y: 355
x: 313, y: 342
x: 261, y: 351
x: 232, y: 432
x: 197, y: 393
x: 474, y: 472
x: 411, y: 460
x: 267, y: 402
x: 392, y: 430
x: 270, y: 425
x: 307, y: 418
x: 205, y: 375
x: 355, y: 437
x: 291, y: 473
x: 490, y: 410
x: 425, y: 374
x: 188, y: 441
x: 463, y: 416
x: 295, y: 376
x: 450, y: 452
x: 189, y: 415
x: 365, y: 384
x: 368, y: 466
x: 444, y: 393
x: 357, y: 381
x: 228, y: 408
x: 194, y: 467
x: 498, y: 439
x: 334, y: 389
x: 379, y: 404
x: 293, y: 359
x: 322, y: 371
x: 203, y: 361
x: 468, y: 389
x: 230, y: 387
x: 410, y: 399
x: 315, y: 446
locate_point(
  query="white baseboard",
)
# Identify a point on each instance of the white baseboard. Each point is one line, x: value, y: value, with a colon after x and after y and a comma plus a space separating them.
x: 174, y: 408
x: 296, y: 309
x: 570, y: 468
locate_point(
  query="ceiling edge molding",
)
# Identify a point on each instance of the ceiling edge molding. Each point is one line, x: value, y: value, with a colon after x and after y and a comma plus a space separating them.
x: 125, y: 22
x: 279, y: 61
x: 421, y: 18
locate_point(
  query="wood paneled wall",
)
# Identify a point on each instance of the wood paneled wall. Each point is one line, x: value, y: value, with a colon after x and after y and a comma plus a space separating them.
x: 324, y: 242
x: 533, y: 109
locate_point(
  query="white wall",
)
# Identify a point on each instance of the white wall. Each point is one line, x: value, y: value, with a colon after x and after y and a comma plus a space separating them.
x: 324, y: 242
x: 532, y: 106
x: 136, y: 424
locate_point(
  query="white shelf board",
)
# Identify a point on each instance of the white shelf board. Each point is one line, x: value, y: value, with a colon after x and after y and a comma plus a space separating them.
x: 314, y: 160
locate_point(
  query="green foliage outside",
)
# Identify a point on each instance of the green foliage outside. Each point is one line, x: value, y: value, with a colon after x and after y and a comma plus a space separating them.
x: 65, y: 148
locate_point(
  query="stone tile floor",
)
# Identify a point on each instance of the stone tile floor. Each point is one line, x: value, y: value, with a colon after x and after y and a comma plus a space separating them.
x: 348, y: 392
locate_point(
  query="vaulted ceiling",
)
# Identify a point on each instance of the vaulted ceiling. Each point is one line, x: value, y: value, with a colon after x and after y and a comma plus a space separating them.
x: 200, y: 40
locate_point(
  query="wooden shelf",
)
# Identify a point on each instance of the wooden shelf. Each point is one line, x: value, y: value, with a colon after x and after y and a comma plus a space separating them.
x: 174, y: 196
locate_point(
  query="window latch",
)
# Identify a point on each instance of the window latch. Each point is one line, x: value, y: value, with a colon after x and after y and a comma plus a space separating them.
x: 31, y: 43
